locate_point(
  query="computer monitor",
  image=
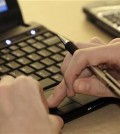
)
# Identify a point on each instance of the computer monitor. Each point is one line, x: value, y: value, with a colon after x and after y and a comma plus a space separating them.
x: 3, y: 6
x: 10, y: 14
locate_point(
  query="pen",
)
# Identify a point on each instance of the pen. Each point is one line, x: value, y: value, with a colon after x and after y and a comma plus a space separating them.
x: 103, y: 75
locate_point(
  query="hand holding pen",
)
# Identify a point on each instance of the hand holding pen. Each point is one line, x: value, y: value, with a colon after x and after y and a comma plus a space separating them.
x: 78, y: 79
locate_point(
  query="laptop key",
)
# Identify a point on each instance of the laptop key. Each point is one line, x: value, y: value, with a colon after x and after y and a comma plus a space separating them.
x: 57, y: 57
x: 24, y: 60
x: 61, y: 45
x: 47, y: 83
x: 1, y: 61
x: 39, y: 38
x: 35, y: 77
x: 16, y: 73
x: 28, y: 49
x: 34, y: 56
x: 4, y: 51
x: 8, y: 57
x: 31, y: 41
x: 22, y: 44
x: 48, y: 34
x: 14, y: 47
x: 38, y: 45
x: 37, y: 65
x: 4, y: 69
x: 51, y: 41
x: 44, y: 53
x: 59, y: 64
x: 18, y: 53
x: 54, y: 49
x: 57, y: 77
x: 27, y: 69
x: 43, y: 73
x: 53, y: 69
x: 64, y: 53
x: 13, y: 65
x: 48, y: 61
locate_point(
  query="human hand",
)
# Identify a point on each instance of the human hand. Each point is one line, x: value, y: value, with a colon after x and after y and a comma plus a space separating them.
x: 23, y: 108
x: 80, y: 80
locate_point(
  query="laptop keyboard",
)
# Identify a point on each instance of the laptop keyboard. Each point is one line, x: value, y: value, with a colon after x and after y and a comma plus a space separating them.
x: 113, y: 17
x: 39, y: 56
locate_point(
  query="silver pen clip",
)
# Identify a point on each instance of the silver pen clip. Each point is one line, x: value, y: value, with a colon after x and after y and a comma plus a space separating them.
x: 111, y: 82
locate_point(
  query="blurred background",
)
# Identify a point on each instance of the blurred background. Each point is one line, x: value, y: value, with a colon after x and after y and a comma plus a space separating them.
x: 62, y: 16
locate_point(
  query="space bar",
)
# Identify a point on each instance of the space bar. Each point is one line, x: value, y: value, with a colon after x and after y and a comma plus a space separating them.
x: 47, y: 83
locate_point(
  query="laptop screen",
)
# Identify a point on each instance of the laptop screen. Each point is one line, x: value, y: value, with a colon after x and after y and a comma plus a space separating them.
x: 10, y: 15
x: 3, y: 6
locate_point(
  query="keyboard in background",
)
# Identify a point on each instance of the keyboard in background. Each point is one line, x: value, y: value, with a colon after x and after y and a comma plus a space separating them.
x: 106, y: 15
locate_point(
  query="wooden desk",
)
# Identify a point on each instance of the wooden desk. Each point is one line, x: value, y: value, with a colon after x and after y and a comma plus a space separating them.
x: 66, y: 17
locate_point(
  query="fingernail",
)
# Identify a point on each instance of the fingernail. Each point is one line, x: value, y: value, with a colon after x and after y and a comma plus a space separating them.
x: 50, y: 100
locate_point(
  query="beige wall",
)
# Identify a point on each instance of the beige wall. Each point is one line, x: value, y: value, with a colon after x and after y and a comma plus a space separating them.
x: 62, y: 16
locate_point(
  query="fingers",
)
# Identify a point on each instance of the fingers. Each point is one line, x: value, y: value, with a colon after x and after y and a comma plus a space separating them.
x: 57, y: 123
x: 34, y: 83
x: 25, y: 84
x: 80, y: 46
x: 97, y: 40
x: 25, y: 81
x: 58, y: 95
x: 116, y: 40
x: 94, y: 42
x: 92, y: 86
x: 83, y: 58
x: 7, y: 79
x: 73, y: 66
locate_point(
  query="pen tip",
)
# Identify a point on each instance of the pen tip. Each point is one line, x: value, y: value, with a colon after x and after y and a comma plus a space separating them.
x: 63, y: 39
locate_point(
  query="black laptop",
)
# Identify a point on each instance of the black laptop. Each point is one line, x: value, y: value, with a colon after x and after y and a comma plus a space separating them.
x: 105, y: 14
x: 34, y: 50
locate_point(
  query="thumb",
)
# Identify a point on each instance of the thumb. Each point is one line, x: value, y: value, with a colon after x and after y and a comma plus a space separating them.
x: 56, y: 122
x: 58, y: 95
x: 92, y: 86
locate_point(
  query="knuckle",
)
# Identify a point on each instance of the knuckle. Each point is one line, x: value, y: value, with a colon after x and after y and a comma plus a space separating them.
x: 91, y: 59
x: 93, y: 62
x: 22, y: 80
x: 94, y: 39
x: 80, y: 53
x: 115, y: 40
x: 80, y: 56
x: 22, y: 77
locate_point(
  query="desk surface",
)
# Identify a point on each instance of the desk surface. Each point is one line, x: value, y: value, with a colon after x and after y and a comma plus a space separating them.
x: 66, y: 17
